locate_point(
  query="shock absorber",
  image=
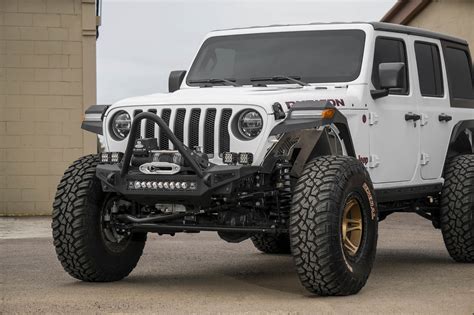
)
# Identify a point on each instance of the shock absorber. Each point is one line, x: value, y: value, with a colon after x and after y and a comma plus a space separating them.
x: 283, y: 186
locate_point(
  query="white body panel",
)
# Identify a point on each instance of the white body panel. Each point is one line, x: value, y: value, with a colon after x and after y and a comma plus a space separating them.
x: 393, y: 140
x: 433, y: 133
x: 390, y: 147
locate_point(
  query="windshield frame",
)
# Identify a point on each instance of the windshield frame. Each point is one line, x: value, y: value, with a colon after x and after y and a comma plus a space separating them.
x: 357, y: 74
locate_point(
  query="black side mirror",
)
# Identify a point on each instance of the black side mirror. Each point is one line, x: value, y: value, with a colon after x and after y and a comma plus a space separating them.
x: 392, y: 75
x: 175, y: 80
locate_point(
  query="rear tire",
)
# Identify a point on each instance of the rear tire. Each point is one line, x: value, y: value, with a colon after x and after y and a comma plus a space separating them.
x: 457, y: 208
x: 272, y: 244
x: 333, y: 226
x: 83, y: 248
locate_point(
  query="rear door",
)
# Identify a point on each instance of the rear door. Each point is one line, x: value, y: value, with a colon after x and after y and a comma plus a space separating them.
x: 394, y: 140
x: 430, y: 89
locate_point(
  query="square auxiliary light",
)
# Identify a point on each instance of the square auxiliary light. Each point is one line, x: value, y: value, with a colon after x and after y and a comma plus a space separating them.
x: 111, y: 157
x: 229, y: 157
x: 245, y: 158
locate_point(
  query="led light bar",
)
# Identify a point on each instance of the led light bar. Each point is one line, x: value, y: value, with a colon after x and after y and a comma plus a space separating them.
x: 153, y: 185
x: 111, y: 157
x: 306, y: 113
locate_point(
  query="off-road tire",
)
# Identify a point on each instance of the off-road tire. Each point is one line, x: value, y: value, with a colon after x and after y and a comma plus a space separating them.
x: 319, y: 199
x: 77, y: 234
x: 457, y: 208
x: 272, y: 244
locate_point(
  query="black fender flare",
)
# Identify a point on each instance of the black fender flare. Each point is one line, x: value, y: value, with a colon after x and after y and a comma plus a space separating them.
x: 93, y: 118
x: 457, y: 143
x: 292, y: 123
x: 303, y: 126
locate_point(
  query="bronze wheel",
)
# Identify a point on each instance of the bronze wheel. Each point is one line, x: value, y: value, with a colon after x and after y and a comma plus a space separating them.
x: 333, y: 225
x: 351, y: 227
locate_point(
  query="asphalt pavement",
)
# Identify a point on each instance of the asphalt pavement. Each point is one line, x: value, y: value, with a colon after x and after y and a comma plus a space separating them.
x: 201, y: 274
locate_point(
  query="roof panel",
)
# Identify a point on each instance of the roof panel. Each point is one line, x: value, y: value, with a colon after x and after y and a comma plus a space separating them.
x: 397, y: 28
x: 379, y: 26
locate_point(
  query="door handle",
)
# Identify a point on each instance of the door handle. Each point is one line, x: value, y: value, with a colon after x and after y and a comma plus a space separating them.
x: 444, y: 117
x: 412, y: 116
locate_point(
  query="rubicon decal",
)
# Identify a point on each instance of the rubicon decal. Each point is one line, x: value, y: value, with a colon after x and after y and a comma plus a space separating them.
x: 333, y: 101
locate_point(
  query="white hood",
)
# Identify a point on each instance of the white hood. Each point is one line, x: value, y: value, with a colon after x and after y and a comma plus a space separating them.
x: 341, y: 96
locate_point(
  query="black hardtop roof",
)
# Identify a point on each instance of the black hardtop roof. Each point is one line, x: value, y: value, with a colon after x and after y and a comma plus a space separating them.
x: 397, y: 28
x: 379, y: 26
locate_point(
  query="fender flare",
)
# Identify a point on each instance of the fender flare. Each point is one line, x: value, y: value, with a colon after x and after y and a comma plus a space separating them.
x: 93, y: 118
x: 457, y: 131
x: 303, y: 126
x: 299, y: 122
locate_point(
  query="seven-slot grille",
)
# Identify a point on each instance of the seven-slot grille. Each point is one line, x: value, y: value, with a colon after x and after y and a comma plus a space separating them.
x: 193, y: 126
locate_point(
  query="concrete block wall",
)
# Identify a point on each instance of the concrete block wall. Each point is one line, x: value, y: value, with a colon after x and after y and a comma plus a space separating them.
x: 453, y: 17
x: 47, y: 79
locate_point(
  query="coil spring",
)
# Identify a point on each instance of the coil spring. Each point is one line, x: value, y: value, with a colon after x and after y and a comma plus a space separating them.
x: 284, y: 189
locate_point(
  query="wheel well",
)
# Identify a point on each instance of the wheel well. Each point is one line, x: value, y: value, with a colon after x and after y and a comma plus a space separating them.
x: 301, y: 146
x: 462, y: 139
x: 326, y: 142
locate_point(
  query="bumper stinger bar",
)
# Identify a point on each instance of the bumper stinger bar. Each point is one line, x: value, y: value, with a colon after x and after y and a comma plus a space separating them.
x: 185, y: 152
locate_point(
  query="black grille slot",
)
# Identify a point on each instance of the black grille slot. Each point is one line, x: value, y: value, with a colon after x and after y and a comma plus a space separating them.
x: 150, y: 126
x: 224, y: 139
x: 194, y: 128
x: 164, y: 140
x: 208, y: 128
x: 209, y: 131
x: 179, y: 124
x: 139, y: 130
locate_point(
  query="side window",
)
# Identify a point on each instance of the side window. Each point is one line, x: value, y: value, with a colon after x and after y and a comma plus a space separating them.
x: 459, y: 73
x: 428, y: 63
x: 389, y: 50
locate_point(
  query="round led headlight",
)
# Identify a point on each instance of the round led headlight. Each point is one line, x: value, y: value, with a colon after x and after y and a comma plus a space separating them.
x: 249, y: 124
x: 120, y: 125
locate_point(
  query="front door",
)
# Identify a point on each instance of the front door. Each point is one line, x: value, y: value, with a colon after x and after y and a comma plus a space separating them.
x: 394, y: 128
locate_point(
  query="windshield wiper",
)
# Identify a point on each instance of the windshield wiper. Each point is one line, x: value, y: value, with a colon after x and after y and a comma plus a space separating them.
x: 278, y: 78
x: 214, y: 81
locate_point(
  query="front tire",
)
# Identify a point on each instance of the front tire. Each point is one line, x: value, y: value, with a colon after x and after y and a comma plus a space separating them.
x: 457, y: 208
x: 333, y: 226
x: 85, y: 248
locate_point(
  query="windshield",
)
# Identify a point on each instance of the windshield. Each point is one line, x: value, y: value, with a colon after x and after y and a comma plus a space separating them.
x: 312, y: 56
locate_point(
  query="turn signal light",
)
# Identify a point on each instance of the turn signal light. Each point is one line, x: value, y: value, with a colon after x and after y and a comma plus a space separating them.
x: 328, y: 113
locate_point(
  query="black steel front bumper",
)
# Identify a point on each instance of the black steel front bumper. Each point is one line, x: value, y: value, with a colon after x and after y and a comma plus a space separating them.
x: 205, y: 181
x: 149, y: 188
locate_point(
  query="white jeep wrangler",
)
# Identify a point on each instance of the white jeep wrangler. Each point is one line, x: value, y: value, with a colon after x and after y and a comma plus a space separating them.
x: 301, y: 138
